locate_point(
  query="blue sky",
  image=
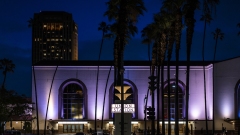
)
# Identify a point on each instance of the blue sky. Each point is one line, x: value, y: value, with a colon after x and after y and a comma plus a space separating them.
x: 15, y: 36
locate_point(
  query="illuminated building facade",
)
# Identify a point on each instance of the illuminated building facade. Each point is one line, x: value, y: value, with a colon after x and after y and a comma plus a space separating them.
x: 54, y: 36
x: 72, y: 98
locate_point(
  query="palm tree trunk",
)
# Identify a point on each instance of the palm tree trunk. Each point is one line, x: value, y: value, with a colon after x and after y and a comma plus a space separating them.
x: 153, y: 120
x: 176, y: 95
x: 162, y: 93
x: 158, y: 108
x: 190, y: 21
x: 95, y: 118
x: 35, y: 86
x: 122, y: 31
x: 169, y: 100
x: 146, y: 101
x: 204, y: 77
x: 145, y: 114
x: 187, y: 87
x: 170, y: 45
x: 213, y: 124
x: 154, y: 58
x: 178, y: 30
x: 105, y: 95
x: 45, y: 122
x: 99, y: 56
x: 122, y: 95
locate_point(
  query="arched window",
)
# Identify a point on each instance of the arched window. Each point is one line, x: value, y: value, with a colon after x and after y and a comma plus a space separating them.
x: 132, y: 96
x: 181, y: 104
x: 72, y: 100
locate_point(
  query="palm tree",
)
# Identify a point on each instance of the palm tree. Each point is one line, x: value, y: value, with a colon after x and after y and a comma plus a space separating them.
x: 162, y: 25
x: 146, y: 32
x: 109, y: 72
x: 157, y: 32
x: 49, y: 94
x: 125, y: 13
x: 217, y: 35
x: 147, y: 35
x: 189, y: 8
x: 208, y: 6
x: 7, y: 66
x: 35, y: 87
x: 207, y: 18
x: 170, y: 42
x: 176, y: 8
x: 30, y: 24
x: 104, y: 28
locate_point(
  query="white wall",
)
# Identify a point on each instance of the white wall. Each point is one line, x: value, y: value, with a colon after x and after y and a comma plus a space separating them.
x: 138, y: 75
x: 227, y: 74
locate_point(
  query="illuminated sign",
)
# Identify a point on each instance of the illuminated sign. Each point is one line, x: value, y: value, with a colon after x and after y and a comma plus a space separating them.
x: 128, y: 108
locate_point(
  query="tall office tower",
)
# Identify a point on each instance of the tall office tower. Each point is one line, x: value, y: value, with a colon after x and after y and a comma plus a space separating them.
x: 54, y: 36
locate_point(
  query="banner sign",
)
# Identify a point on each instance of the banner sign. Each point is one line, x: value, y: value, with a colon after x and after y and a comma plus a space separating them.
x: 128, y: 108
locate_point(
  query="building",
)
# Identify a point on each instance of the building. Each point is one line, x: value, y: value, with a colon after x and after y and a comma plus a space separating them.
x: 71, y: 94
x: 54, y: 36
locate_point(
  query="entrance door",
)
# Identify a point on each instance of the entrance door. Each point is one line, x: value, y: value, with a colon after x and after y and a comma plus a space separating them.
x: 72, y: 128
x: 172, y: 128
x: 181, y: 126
x: 134, y: 128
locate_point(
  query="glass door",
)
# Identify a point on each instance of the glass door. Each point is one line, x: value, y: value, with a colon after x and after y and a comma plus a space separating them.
x: 72, y: 128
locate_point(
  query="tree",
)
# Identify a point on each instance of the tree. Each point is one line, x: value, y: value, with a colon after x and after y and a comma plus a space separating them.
x: 7, y: 66
x: 49, y: 95
x: 12, y: 104
x: 109, y: 72
x: 217, y: 35
x: 125, y: 13
x: 169, y: 7
x: 147, y: 35
x: 189, y: 9
x: 104, y: 28
x: 147, y: 38
x: 175, y: 8
x: 162, y: 28
x: 30, y: 24
x: 156, y: 32
x: 208, y: 6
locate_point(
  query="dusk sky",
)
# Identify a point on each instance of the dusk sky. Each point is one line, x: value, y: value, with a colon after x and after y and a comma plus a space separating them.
x: 15, y: 36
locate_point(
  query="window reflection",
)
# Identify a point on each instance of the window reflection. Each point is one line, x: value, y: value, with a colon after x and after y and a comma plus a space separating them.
x: 73, y: 102
x: 173, y: 88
